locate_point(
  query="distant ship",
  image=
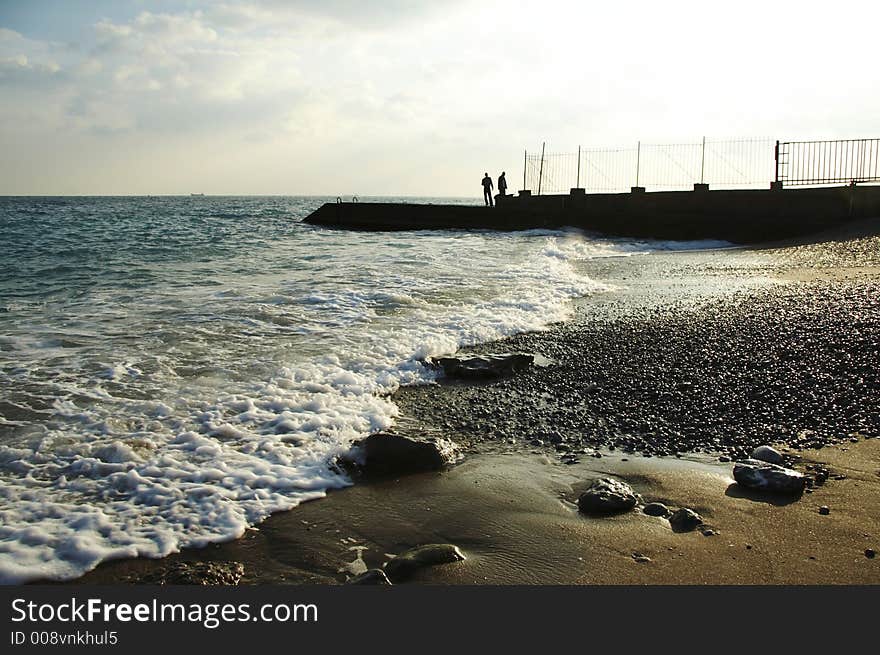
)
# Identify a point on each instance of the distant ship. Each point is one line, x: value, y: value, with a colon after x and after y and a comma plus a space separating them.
x: 196, y: 195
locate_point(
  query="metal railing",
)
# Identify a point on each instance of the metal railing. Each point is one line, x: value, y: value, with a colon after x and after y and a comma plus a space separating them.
x: 739, y: 163
x: 850, y: 161
x: 730, y: 164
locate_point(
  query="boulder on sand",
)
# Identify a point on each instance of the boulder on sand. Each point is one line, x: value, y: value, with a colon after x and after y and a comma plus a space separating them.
x: 764, y: 476
x: 487, y: 366
x: 607, y: 496
x: 386, y: 453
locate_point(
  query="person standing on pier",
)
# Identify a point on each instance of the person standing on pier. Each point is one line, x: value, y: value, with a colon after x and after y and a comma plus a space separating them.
x: 502, y: 184
x: 487, y: 190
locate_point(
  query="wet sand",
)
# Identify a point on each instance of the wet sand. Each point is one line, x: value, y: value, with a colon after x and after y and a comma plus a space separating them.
x: 514, y: 517
x: 530, y: 440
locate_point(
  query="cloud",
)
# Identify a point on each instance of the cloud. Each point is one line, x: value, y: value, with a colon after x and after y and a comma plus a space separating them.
x: 317, y: 96
x: 354, y: 14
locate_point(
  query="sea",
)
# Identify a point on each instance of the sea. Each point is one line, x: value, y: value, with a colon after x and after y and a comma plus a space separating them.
x: 173, y: 370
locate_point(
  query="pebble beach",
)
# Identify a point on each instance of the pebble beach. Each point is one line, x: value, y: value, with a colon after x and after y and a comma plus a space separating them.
x: 688, y: 364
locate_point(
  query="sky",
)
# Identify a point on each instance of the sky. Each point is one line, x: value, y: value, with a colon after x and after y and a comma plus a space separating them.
x: 405, y: 97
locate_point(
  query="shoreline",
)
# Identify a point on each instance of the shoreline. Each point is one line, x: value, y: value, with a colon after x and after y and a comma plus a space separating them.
x: 514, y: 518
x: 508, y: 504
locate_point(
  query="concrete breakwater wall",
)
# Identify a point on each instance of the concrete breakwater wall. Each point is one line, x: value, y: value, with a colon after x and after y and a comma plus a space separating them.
x: 741, y: 216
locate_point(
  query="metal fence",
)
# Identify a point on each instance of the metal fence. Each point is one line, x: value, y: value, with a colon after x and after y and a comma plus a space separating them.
x: 801, y: 163
x: 740, y: 163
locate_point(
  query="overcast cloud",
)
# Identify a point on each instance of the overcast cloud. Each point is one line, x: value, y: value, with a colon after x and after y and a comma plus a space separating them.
x: 340, y: 97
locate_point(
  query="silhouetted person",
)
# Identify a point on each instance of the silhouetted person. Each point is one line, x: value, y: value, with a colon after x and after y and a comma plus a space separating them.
x: 487, y: 190
x: 502, y: 184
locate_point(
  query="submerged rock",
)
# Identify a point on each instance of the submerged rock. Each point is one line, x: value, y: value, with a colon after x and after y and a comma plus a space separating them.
x: 408, y: 562
x: 764, y: 476
x: 607, y: 496
x: 656, y: 509
x: 768, y: 454
x: 371, y: 577
x: 685, y: 520
x: 488, y: 366
x: 195, y: 573
x: 386, y: 453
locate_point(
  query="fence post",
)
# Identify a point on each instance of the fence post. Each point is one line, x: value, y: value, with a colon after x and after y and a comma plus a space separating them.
x: 776, y: 156
x: 703, y: 162
x: 638, y: 160
x: 525, y: 166
x: 541, y: 170
x: 578, y: 183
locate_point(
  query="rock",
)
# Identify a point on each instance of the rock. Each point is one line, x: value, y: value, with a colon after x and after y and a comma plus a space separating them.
x: 768, y: 454
x: 870, y: 553
x: 763, y: 476
x: 656, y: 509
x: 641, y: 559
x: 824, y: 510
x: 708, y: 532
x: 386, y: 453
x: 489, y: 366
x: 420, y: 557
x: 685, y: 520
x: 195, y: 573
x: 371, y: 577
x: 607, y: 496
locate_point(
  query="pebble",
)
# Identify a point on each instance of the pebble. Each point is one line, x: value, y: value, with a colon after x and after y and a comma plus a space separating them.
x: 767, y: 454
x: 656, y: 509
x: 607, y: 496
x: 685, y: 520
x: 420, y: 557
x: 824, y: 510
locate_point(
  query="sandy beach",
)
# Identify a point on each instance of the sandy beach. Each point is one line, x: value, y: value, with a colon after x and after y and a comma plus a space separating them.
x: 691, y: 361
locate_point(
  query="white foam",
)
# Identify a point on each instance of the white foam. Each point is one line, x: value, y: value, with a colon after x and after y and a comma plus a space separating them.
x: 190, y: 443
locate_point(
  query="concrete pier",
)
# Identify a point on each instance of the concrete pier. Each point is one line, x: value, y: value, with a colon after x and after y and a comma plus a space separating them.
x: 740, y: 216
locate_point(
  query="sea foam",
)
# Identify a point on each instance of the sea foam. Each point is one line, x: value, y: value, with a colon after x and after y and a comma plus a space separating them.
x: 191, y: 413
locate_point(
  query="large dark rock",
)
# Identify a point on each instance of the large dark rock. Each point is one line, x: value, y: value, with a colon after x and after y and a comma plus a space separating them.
x: 194, y: 573
x: 385, y: 453
x: 685, y: 520
x: 488, y: 366
x: 607, y: 496
x: 408, y: 562
x: 763, y: 476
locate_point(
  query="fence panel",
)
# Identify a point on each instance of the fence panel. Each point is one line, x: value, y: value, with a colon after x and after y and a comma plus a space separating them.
x: 740, y: 163
x: 801, y: 163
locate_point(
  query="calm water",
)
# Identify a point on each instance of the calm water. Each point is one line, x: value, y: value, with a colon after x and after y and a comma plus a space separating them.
x: 173, y: 370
